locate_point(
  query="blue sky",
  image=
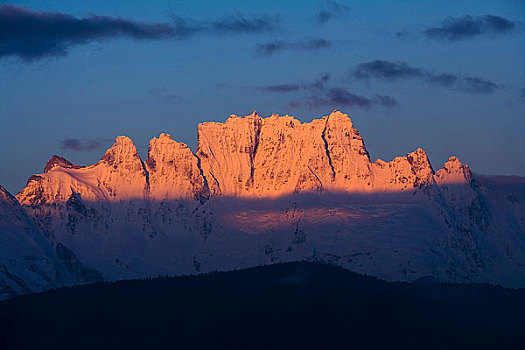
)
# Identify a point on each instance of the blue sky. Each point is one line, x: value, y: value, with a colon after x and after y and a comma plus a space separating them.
x: 428, y: 77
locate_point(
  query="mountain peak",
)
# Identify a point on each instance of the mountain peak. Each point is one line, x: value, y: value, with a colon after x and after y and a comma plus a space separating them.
x: 62, y: 162
x: 454, y: 172
x: 123, y: 141
x: 338, y: 115
x: 164, y: 136
x: 123, y: 150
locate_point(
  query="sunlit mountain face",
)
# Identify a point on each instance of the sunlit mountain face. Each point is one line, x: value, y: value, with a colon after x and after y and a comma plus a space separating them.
x: 193, y: 182
x: 267, y: 190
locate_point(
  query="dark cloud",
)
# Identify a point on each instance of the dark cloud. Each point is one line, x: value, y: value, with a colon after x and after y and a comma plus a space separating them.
x: 342, y: 97
x: 322, y: 95
x: 391, y: 71
x: 386, y: 70
x: 232, y: 24
x: 32, y: 35
x: 332, y: 10
x: 466, y: 27
x: 317, y: 84
x: 272, y: 48
x: 78, y: 145
x: 338, y: 97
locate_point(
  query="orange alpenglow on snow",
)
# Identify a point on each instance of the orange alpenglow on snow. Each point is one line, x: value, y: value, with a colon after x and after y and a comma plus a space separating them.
x: 242, y: 157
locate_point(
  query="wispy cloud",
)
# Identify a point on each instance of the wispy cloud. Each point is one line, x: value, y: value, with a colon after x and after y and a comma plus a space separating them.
x: 78, y: 145
x: 331, y: 10
x: 315, y: 85
x: 231, y: 24
x: 164, y: 94
x: 467, y: 27
x: 386, y: 70
x: 276, y: 47
x: 478, y: 85
x: 393, y: 71
x: 33, y: 35
x: 321, y: 95
x: 338, y: 97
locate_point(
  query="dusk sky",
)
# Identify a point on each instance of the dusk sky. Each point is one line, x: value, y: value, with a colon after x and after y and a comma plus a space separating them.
x: 446, y: 76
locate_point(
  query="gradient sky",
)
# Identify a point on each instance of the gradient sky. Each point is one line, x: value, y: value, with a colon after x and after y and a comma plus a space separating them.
x: 447, y: 76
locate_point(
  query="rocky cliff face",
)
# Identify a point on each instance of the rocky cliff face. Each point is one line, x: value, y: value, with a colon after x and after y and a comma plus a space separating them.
x: 243, y: 157
x: 260, y: 190
x: 174, y: 171
x: 279, y: 155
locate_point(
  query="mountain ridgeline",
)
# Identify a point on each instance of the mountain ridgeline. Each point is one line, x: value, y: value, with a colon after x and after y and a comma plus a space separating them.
x: 264, y: 190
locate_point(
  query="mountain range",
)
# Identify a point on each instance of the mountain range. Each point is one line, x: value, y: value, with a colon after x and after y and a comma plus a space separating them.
x: 259, y: 191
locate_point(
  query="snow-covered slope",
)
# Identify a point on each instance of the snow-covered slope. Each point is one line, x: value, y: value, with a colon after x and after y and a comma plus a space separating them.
x: 260, y: 190
x: 28, y: 263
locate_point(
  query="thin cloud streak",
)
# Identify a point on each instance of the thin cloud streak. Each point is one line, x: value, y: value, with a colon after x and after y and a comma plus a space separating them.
x: 467, y: 27
x: 317, y: 84
x: 340, y: 97
x: 276, y: 47
x: 77, y: 145
x: 233, y: 24
x: 394, y: 71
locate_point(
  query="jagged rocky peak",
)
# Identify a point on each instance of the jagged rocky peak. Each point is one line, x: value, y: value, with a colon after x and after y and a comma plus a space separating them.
x: 421, y: 166
x: 173, y: 170
x: 291, y: 157
x: 62, y: 162
x: 123, y: 155
x: 347, y: 153
x: 226, y: 151
x: 243, y: 156
x: 454, y: 172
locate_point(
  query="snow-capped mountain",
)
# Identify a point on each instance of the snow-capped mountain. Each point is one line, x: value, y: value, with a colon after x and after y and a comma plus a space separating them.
x: 262, y: 190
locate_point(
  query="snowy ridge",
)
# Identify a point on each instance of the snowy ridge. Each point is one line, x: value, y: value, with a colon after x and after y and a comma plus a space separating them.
x: 260, y: 190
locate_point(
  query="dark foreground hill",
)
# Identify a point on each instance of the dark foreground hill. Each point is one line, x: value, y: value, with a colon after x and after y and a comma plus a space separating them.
x: 292, y: 306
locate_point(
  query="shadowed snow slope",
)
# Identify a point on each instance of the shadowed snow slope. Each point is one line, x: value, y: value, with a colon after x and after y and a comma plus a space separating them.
x: 261, y: 190
x: 27, y: 261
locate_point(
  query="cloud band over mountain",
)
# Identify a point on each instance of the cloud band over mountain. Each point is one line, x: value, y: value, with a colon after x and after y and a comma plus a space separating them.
x: 77, y: 145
